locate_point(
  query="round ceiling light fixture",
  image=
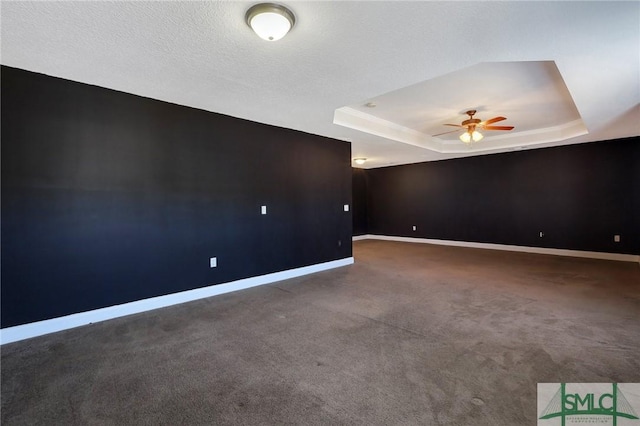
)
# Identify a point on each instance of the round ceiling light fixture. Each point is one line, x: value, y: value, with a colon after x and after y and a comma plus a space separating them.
x: 270, y: 21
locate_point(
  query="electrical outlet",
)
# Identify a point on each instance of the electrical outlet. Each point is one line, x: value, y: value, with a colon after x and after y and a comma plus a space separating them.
x: 415, y: 228
x: 616, y: 238
x: 213, y: 262
x: 541, y: 234
x: 346, y: 207
x: 263, y: 210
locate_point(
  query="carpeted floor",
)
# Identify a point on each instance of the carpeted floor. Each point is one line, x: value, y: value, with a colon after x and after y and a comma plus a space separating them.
x: 410, y: 334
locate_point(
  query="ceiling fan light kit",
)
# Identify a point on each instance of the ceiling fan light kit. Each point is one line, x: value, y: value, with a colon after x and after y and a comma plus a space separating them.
x: 471, y: 136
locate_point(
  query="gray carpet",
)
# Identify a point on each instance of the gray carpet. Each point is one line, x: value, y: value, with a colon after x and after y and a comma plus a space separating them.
x: 410, y: 334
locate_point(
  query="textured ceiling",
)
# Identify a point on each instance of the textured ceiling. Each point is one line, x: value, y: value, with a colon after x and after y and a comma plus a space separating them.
x: 203, y: 55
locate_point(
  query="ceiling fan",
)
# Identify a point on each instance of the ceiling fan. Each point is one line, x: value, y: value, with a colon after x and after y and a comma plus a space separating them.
x: 472, y: 125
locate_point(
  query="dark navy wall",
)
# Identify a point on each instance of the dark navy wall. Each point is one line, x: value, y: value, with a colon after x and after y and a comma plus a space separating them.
x: 109, y: 198
x: 359, y: 185
x: 579, y: 196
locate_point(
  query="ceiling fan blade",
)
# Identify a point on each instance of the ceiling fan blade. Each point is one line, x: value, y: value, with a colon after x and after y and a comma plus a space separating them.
x: 498, y: 127
x: 455, y: 125
x: 491, y: 120
x: 445, y: 133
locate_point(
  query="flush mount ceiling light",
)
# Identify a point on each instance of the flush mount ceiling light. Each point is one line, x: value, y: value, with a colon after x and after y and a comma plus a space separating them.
x: 270, y: 21
x: 359, y: 160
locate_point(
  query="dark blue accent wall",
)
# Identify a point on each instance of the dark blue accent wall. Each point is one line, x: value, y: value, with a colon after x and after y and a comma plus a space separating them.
x: 109, y: 198
x: 360, y: 193
x: 579, y: 196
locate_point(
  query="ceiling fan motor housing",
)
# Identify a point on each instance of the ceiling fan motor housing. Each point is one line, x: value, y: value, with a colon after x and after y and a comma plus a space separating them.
x: 471, y: 121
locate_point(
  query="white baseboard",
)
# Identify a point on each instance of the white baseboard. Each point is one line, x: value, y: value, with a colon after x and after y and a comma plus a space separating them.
x: 491, y: 246
x: 26, y: 331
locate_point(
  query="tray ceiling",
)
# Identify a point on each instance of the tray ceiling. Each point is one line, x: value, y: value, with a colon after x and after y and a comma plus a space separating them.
x: 532, y: 95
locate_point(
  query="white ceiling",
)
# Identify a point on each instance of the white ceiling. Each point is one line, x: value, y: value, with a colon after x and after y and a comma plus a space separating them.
x: 202, y: 54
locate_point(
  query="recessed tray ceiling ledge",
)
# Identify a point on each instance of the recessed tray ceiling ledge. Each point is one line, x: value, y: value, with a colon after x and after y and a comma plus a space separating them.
x: 519, y: 139
x: 367, y: 123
